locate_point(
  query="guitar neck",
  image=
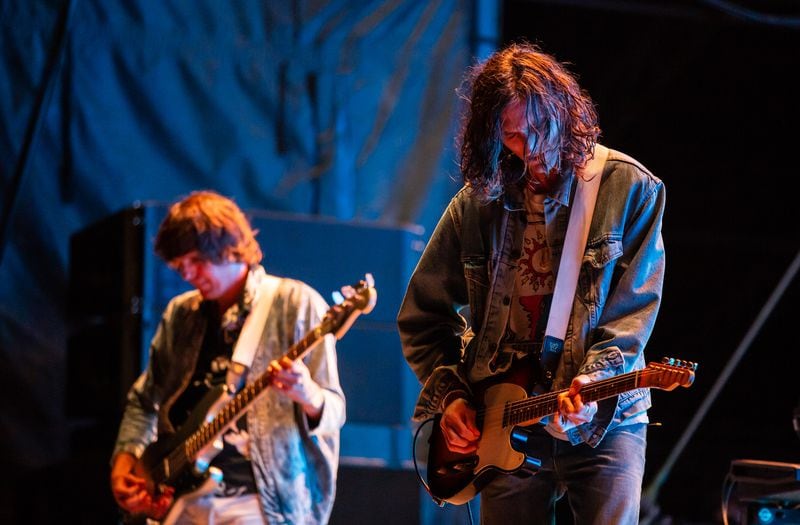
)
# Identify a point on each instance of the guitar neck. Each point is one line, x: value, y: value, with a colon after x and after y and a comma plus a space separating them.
x: 337, y: 320
x: 236, y: 407
x: 537, y: 407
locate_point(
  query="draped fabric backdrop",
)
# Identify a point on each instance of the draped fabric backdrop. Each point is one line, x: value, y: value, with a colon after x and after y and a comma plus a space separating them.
x: 344, y: 109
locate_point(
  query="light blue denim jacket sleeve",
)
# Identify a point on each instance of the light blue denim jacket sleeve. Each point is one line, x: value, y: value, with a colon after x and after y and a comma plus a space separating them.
x: 613, y: 313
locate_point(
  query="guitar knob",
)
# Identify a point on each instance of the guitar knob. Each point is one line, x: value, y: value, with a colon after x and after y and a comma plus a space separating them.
x: 519, y: 439
x: 532, y: 463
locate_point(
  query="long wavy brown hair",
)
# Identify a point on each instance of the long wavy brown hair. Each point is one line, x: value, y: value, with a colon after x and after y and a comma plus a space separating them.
x: 562, y: 117
x: 211, y: 224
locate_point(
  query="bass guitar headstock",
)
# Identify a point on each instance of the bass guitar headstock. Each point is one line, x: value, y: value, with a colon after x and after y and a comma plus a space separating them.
x: 350, y: 302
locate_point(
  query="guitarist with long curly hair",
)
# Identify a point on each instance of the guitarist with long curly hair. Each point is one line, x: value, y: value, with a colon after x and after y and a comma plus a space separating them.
x: 476, y: 313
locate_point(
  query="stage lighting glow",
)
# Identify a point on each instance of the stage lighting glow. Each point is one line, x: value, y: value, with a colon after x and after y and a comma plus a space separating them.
x: 765, y: 515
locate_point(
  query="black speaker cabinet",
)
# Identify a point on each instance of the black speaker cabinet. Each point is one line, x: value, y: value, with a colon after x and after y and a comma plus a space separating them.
x: 105, y: 293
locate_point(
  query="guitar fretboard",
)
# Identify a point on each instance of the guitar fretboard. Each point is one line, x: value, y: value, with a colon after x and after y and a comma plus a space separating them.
x: 536, y: 407
x: 164, y: 462
x: 237, y: 406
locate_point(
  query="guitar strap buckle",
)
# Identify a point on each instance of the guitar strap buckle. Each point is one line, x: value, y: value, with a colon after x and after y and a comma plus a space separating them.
x: 550, y: 356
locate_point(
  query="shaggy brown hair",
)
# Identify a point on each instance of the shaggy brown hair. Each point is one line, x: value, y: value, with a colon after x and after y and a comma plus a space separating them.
x: 561, y: 114
x: 211, y: 224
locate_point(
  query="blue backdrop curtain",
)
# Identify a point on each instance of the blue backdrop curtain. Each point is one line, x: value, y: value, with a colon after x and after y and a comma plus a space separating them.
x: 343, y: 109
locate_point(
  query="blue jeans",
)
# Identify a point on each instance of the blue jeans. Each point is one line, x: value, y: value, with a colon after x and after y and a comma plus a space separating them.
x: 603, y: 484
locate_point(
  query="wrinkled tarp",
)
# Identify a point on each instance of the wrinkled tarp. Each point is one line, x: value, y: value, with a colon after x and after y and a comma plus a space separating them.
x: 345, y: 109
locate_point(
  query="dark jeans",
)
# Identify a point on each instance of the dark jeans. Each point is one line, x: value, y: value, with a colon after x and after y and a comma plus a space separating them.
x: 603, y: 485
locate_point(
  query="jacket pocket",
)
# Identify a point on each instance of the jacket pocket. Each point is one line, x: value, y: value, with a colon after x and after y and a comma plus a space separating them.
x: 597, y: 269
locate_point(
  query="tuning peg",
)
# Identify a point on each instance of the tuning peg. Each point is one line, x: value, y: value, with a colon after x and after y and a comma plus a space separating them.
x: 337, y: 297
x: 348, y: 291
x: 680, y: 363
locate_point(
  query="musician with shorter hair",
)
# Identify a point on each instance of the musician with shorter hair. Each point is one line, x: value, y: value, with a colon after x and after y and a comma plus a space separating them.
x: 279, y: 460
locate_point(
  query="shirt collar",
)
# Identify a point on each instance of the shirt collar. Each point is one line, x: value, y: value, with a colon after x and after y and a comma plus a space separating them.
x: 514, y: 197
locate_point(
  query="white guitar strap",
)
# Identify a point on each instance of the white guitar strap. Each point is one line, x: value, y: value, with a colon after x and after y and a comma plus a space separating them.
x: 580, y: 220
x: 245, y: 348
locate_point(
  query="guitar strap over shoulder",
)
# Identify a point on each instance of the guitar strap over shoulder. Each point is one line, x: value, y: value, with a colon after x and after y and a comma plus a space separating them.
x: 245, y: 348
x: 580, y: 220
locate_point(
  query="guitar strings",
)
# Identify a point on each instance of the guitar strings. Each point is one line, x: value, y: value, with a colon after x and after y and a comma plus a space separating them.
x: 180, y: 456
x: 549, y: 401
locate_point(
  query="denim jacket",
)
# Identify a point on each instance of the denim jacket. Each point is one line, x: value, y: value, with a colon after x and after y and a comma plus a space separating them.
x: 457, y: 303
x: 294, y: 465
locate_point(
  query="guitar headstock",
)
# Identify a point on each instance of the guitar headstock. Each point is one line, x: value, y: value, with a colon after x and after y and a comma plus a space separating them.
x: 352, y: 301
x: 670, y: 373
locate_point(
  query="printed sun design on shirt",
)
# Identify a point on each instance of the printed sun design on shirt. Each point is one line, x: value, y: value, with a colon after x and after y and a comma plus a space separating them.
x: 534, y: 265
x: 534, y: 279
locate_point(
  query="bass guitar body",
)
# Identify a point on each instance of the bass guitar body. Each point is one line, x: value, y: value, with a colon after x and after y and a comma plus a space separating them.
x: 164, y: 462
x: 165, y: 466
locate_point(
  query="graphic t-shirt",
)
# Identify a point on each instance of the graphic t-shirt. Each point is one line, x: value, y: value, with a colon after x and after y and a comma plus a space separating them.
x: 533, y: 289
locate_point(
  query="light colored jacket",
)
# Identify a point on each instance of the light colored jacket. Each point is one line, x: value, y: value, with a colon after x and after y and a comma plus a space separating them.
x: 295, y: 466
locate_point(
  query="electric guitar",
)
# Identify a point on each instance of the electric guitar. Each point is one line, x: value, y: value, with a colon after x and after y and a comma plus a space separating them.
x: 457, y: 478
x: 178, y: 466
